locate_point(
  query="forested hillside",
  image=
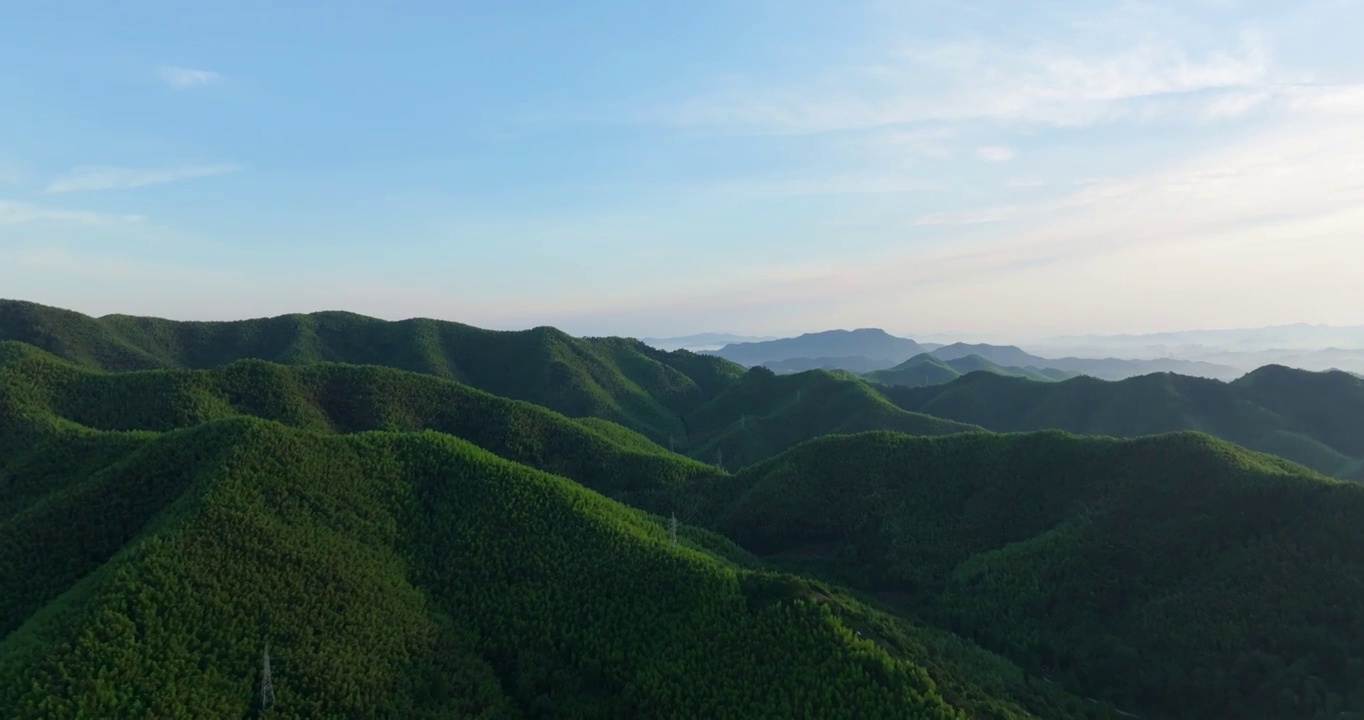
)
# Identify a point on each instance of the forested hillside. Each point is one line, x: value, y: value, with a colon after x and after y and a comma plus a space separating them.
x: 1177, y: 574
x: 754, y: 418
x: 621, y: 380
x: 340, y: 398
x: 410, y: 545
x: 1316, y: 419
x: 687, y: 402
x: 415, y: 575
x: 928, y: 369
x: 764, y: 414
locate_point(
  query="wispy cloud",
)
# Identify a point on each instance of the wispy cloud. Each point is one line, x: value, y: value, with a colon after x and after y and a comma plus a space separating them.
x: 182, y: 77
x: 1241, y: 167
x: 995, y: 153
x: 121, y: 178
x: 1047, y: 83
x: 1285, y: 199
x: 19, y: 213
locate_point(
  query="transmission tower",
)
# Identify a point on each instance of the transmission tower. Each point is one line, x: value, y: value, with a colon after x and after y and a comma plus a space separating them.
x: 267, y: 688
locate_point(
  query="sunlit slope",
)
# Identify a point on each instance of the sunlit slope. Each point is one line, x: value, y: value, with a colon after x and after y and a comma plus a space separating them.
x: 1177, y: 574
x: 620, y: 380
x: 756, y: 417
x: 687, y: 402
x: 341, y: 398
x: 415, y: 575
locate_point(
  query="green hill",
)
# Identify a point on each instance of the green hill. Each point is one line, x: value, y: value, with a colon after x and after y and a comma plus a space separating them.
x: 1176, y: 574
x: 678, y: 400
x: 694, y: 404
x: 1310, y: 418
x: 918, y: 371
x: 759, y: 416
x: 621, y: 380
x: 976, y: 363
x: 928, y: 369
x: 341, y: 398
x: 415, y: 575
x: 765, y: 413
x: 158, y: 527
x: 801, y: 364
x: 1327, y: 405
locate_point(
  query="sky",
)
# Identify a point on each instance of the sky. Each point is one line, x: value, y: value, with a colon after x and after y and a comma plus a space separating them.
x: 999, y: 168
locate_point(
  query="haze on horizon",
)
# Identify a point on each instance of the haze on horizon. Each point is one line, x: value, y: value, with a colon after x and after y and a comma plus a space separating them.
x: 761, y: 167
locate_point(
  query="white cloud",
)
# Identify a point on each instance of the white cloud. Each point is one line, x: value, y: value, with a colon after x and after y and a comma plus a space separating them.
x: 19, y: 213
x: 1265, y: 229
x: 1292, y: 151
x: 1140, y: 78
x: 995, y: 153
x: 122, y: 178
x: 183, y: 78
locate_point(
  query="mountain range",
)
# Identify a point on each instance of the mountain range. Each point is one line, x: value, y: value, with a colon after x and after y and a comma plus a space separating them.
x: 931, y: 369
x: 702, y: 341
x: 1296, y: 337
x: 425, y: 519
x: 869, y: 343
x: 870, y: 350
x: 1274, y: 409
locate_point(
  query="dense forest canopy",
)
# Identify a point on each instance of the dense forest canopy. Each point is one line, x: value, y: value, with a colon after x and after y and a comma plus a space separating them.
x: 423, y: 519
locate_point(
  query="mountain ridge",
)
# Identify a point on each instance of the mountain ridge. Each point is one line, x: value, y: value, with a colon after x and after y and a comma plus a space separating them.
x: 163, y: 524
x: 871, y: 343
x: 373, y: 604
x: 932, y: 369
x: 864, y: 349
x: 1268, y: 420
x: 992, y: 535
x: 618, y: 379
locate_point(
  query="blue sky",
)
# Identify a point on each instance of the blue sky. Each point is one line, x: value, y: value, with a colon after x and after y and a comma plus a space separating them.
x: 996, y: 169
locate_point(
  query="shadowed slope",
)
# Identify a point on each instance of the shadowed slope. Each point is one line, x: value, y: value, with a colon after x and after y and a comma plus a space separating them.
x: 1328, y: 405
x: 765, y: 413
x: 1321, y: 432
x: 1177, y: 574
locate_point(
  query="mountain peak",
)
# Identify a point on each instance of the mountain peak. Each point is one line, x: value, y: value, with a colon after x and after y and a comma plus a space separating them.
x: 871, y: 343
